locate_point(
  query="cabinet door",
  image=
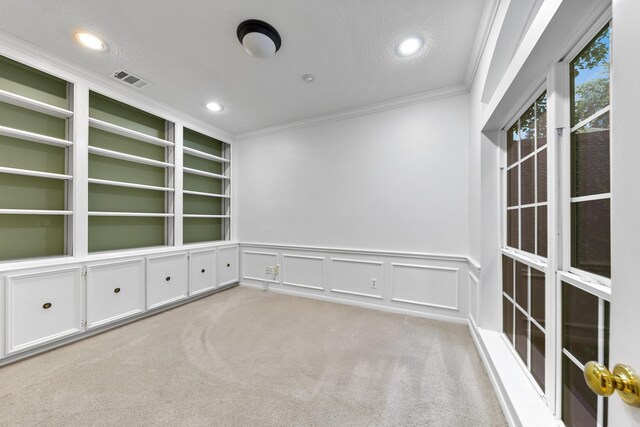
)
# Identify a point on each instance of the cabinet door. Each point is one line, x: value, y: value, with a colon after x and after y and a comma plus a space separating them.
x: 228, y: 270
x: 202, y: 272
x: 167, y: 279
x: 114, y: 291
x: 43, y: 307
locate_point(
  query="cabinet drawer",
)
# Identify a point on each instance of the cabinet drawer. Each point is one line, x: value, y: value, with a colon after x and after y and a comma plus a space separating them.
x: 228, y: 270
x: 202, y: 272
x: 42, y: 307
x: 167, y: 279
x: 114, y: 291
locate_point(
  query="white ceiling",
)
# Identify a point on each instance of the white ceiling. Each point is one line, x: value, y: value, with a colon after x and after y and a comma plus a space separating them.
x: 188, y: 49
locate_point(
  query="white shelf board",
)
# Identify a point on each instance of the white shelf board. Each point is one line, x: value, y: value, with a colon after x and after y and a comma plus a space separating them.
x: 127, y: 184
x: 204, y: 173
x: 33, y: 212
x: 137, y: 214
x: 27, y: 172
x: 203, y: 155
x: 33, y: 105
x: 133, y: 134
x: 201, y: 193
x: 34, y: 137
x: 205, y: 216
x: 128, y: 157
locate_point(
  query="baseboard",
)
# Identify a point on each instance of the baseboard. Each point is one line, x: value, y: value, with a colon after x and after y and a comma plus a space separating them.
x: 521, y: 405
x: 360, y: 304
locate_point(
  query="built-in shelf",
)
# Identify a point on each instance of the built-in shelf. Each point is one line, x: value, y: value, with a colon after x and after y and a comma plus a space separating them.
x: 33, y: 105
x: 138, y: 214
x: 128, y: 133
x: 204, y: 173
x: 34, y: 137
x: 33, y: 212
x: 204, y: 155
x: 205, y: 216
x: 128, y: 184
x: 128, y: 157
x: 28, y: 172
x: 200, y: 193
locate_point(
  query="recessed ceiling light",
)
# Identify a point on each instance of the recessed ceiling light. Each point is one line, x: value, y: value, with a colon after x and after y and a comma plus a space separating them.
x: 215, y: 107
x: 308, y: 78
x: 410, y: 46
x: 90, y: 41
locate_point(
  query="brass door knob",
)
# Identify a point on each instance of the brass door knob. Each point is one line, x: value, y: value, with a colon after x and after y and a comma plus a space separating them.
x: 602, y: 382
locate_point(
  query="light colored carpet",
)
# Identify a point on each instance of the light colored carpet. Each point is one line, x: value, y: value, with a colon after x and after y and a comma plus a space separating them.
x: 247, y: 357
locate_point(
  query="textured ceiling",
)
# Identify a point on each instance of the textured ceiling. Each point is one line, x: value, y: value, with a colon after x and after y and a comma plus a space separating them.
x: 188, y: 49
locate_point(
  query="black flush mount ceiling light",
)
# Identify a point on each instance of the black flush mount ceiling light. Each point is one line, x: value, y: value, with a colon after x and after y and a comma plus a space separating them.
x: 258, y: 38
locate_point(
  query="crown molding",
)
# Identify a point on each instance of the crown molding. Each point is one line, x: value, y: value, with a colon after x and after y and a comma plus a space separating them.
x: 359, y: 111
x: 23, y: 51
x: 487, y: 21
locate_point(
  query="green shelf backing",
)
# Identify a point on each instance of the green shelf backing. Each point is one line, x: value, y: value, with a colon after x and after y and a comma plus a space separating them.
x: 105, y: 198
x: 31, y: 121
x: 29, y: 192
x: 31, y: 83
x: 113, y: 233
x: 203, y: 184
x: 121, y: 170
x: 202, y: 230
x: 20, y: 154
x: 203, y: 164
x: 202, y: 205
x: 31, y: 236
x: 118, y: 113
x: 111, y: 141
x: 201, y: 142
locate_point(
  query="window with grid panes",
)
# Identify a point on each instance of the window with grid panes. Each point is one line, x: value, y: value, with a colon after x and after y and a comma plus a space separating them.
x: 523, y: 301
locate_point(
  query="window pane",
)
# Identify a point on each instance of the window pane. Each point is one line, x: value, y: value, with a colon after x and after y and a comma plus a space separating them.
x: 507, y: 275
x: 528, y: 181
x: 590, y: 78
x: 537, y: 296
x: 579, y: 403
x: 522, y: 333
x: 542, y: 231
x: 579, y: 323
x: 542, y: 176
x: 512, y: 228
x: 512, y: 145
x: 528, y: 230
x: 527, y: 132
x: 591, y: 236
x: 522, y: 283
x: 590, y: 158
x: 507, y: 319
x: 512, y: 187
x: 537, y: 355
x: 541, y: 121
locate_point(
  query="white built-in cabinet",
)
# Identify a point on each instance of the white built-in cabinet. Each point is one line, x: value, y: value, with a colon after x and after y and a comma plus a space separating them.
x: 47, y: 304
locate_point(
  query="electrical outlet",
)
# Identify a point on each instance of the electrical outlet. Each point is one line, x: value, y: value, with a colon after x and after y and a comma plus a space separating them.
x: 373, y: 283
x: 276, y: 270
x: 267, y: 270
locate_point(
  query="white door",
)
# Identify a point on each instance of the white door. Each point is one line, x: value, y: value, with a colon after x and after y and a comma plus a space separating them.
x: 625, y: 205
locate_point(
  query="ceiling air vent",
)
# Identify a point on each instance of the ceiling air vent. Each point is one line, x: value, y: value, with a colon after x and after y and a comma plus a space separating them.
x: 130, y: 79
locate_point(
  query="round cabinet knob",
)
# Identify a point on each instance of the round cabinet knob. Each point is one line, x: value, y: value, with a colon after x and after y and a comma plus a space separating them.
x: 228, y: 265
x: 168, y: 278
x: 202, y: 271
x: 116, y: 290
x: 46, y: 305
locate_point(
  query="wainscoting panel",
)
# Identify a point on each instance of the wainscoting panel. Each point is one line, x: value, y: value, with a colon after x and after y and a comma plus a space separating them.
x: 474, y: 296
x: 425, y: 285
x: 416, y: 284
x: 357, y: 277
x: 303, y: 271
x: 254, y: 264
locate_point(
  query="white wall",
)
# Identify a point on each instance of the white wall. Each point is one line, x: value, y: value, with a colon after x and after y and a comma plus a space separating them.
x: 395, y: 180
